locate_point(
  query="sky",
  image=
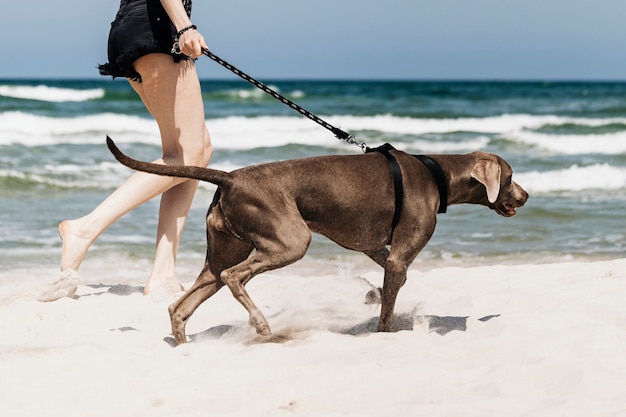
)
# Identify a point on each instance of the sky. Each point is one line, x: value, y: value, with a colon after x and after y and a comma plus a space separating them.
x: 343, y: 39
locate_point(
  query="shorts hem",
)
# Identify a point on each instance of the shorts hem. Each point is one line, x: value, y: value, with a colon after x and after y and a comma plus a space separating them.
x: 124, y: 67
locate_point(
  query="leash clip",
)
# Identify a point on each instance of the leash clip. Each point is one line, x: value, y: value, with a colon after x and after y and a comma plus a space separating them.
x: 354, y: 141
x: 176, y: 47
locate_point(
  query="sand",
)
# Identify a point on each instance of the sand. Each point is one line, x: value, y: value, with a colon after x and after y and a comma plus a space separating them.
x: 524, y: 340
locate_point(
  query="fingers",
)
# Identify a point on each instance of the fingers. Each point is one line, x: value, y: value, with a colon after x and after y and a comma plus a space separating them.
x: 191, y: 43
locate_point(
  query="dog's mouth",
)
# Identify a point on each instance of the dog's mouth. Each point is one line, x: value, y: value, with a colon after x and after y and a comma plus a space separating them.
x: 506, y: 209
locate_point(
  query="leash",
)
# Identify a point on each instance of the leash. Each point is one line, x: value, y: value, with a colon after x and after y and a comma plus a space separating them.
x: 339, y: 134
x: 433, y: 167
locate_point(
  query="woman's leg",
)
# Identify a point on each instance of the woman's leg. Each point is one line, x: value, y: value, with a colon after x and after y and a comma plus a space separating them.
x: 175, y: 204
x: 180, y: 116
x: 171, y: 92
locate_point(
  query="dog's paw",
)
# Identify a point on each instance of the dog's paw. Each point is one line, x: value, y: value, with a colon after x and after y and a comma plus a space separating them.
x: 259, y: 323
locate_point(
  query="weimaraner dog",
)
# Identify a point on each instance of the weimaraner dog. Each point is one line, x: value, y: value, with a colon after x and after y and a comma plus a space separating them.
x: 262, y: 216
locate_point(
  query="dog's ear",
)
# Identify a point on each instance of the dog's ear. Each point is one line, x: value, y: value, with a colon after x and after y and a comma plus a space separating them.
x: 487, y: 172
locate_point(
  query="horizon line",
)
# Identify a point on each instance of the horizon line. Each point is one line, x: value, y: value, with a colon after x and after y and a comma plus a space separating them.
x: 344, y: 79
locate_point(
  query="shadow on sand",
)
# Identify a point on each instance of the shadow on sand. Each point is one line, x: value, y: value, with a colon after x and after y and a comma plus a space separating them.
x: 116, y: 289
x: 442, y: 325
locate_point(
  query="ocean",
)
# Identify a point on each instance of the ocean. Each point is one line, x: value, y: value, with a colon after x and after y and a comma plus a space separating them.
x: 566, y: 142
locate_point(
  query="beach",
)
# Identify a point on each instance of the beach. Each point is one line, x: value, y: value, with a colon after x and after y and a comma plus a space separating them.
x: 499, y: 316
x: 516, y: 340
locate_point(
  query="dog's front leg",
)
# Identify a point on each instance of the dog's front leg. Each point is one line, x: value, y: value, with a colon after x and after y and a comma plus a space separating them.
x: 395, y: 277
x: 405, y: 247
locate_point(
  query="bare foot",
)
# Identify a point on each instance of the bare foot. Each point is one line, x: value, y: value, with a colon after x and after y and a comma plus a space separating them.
x: 163, y: 287
x: 74, y: 247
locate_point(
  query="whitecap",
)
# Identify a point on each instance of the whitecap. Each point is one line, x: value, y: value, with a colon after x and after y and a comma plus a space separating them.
x: 35, y: 130
x: 607, y: 144
x: 238, y: 132
x: 52, y: 94
x: 574, y: 178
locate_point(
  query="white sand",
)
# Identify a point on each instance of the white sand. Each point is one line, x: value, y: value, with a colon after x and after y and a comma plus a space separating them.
x: 552, y: 342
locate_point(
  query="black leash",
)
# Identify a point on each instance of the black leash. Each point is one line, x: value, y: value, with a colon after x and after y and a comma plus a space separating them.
x: 433, y: 167
x: 339, y: 134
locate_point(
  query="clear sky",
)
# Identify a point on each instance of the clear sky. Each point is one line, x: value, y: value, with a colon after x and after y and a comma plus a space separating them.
x: 343, y: 39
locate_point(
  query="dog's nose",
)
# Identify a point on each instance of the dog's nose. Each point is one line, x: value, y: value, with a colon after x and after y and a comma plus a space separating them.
x: 526, y: 196
x: 523, y: 196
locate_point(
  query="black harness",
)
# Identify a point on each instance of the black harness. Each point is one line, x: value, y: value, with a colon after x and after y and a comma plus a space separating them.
x: 433, y: 167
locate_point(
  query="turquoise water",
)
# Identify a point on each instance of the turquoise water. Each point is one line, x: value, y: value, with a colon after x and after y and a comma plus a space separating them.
x: 565, y: 140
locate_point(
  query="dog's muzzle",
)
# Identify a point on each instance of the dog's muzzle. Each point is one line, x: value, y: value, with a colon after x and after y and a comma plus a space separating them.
x: 508, y: 207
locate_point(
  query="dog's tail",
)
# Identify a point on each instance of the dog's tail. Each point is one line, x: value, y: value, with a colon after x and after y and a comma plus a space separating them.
x: 214, y: 176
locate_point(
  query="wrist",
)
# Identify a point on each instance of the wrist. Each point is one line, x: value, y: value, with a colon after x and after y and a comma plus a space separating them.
x: 185, y: 29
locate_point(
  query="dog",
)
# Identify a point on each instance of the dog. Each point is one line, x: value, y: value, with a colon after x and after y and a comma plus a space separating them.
x: 262, y: 216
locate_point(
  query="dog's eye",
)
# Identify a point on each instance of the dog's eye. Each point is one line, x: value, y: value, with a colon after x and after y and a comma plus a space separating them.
x: 508, y: 180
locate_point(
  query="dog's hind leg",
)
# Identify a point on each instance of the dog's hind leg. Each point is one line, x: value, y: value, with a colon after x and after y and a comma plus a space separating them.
x: 235, y: 278
x: 223, y: 251
x: 205, y: 286
x: 284, y: 248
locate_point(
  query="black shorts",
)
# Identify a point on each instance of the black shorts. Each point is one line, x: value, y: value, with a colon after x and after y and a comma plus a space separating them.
x: 141, y: 27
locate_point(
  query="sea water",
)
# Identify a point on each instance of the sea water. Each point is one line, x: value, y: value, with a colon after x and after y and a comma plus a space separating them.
x: 566, y: 142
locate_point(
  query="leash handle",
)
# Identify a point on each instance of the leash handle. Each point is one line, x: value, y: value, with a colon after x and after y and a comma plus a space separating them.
x: 339, y: 134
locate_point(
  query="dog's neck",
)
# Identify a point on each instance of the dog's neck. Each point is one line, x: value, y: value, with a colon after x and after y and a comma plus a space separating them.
x: 462, y: 189
x: 440, y: 178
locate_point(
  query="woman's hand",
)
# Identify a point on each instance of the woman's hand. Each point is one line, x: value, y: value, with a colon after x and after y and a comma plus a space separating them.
x: 191, y: 43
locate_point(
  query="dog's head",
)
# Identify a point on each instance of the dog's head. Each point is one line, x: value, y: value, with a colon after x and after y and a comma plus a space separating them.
x: 502, y: 194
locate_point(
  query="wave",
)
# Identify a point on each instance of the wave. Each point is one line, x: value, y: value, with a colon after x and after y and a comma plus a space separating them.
x: 607, y: 144
x: 33, y: 130
x: 103, y: 175
x: 239, y: 132
x: 574, y: 178
x: 252, y: 93
x: 52, y: 94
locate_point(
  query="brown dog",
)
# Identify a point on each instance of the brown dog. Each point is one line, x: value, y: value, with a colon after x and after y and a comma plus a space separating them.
x: 262, y: 216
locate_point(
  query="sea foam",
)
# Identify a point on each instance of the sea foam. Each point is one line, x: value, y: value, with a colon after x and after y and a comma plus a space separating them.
x: 239, y: 132
x: 608, y: 143
x: 34, y: 130
x: 52, y: 94
x: 574, y: 178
